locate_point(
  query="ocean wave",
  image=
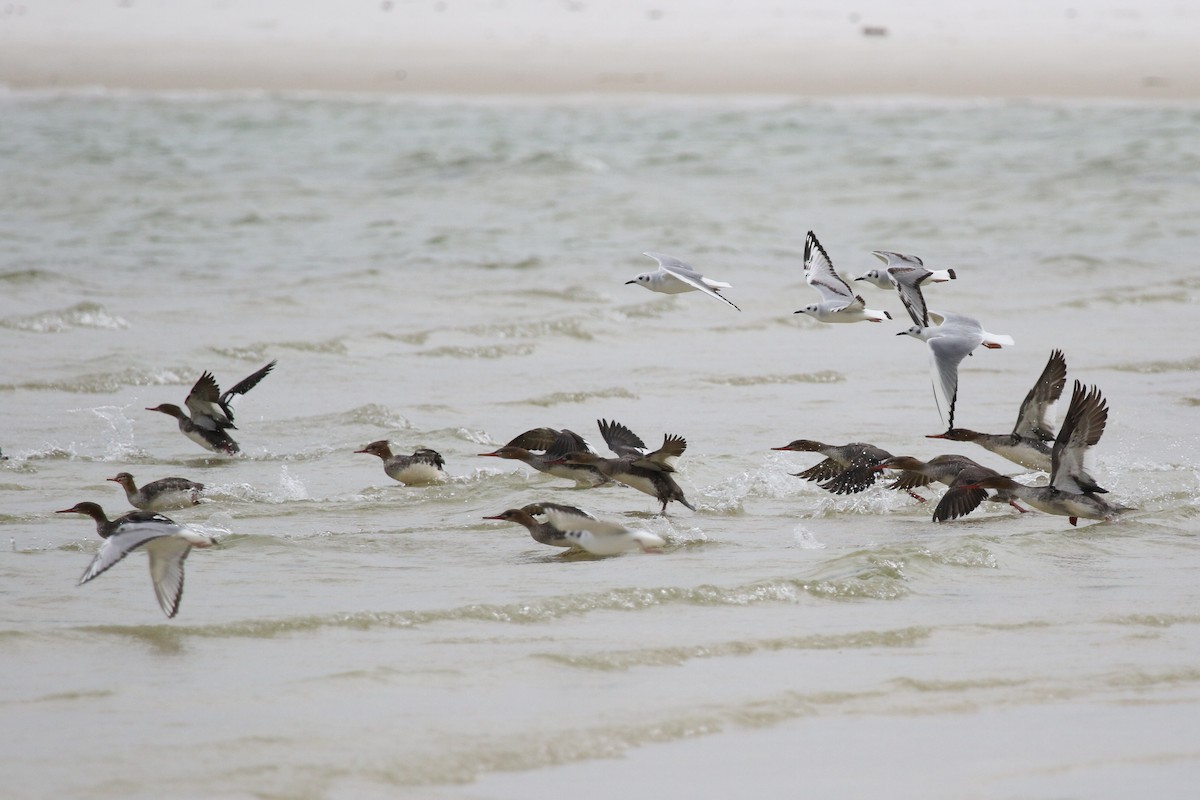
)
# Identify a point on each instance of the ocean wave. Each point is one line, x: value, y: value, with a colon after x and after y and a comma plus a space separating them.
x: 568, y: 328
x: 104, y: 382
x: 374, y: 415
x: 30, y: 277
x: 622, y: 660
x: 821, y: 376
x: 529, y: 262
x: 1154, y: 620
x: 559, y: 398
x: 335, y: 346
x: 465, y: 757
x: 478, y: 351
x: 377, y: 415
x: 576, y: 293
x: 250, y: 353
x: 1160, y: 366
x: 111, y: 444
x: 557, y: 162
x: 80, y: 315
x: 872, y: 578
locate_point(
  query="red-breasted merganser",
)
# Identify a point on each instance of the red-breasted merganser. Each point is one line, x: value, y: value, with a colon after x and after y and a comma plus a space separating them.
x: 1066, y: 495
x: 674, y: 276
x: 423, y: 466
x: 542, y: 532
x: 838, y: 303
x: 847, y: 468
x: 167, y: 543
x: 211, y: 415
x: 601, y: 537
x: 1032, y: 437
x: 164, y: 494
x: 554, y: 444
x: 647, y: 472
x: 953, y: 470
x: 951, y: 339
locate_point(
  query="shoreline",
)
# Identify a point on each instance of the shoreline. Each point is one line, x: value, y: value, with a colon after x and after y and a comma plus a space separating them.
x: 1018, y: 49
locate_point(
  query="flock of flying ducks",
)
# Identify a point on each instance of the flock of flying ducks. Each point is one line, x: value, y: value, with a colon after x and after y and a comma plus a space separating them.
x: 849, y: 468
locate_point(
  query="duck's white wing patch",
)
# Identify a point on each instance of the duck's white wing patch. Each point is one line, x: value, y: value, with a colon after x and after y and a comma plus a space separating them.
x: 167, y: 555
x: 131, y: 536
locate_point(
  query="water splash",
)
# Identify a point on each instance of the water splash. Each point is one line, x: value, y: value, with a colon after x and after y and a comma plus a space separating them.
x: 80, y: 315
x: 805, y: 539
x: 291, y: 488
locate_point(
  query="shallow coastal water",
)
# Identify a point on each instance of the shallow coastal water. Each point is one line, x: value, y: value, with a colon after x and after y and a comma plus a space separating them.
x: 450, y: 272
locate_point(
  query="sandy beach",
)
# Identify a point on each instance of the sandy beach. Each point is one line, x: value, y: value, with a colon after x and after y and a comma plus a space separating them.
x: 1020, y: 48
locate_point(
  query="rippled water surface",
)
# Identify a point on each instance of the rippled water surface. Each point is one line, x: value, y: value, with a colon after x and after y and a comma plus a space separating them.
x: 448, y: 273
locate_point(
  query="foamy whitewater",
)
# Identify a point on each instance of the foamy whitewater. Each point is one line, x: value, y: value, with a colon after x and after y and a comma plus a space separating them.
x: 448, y: 273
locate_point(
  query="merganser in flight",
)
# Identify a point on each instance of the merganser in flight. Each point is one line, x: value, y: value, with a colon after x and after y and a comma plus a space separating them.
x: 647, y: 472
x: 956, y: 472
x: 674, y: 276
x: 167, y: 543
x: 1030, y: 442
x: 423, y: 466
x: 543, y: 532
x: 164, y: 494
x: 847, y: 468
x: 210, y: 413
x: 554, y: 444
x: 838, y: 303
x: 600, y: 537
x: 1067, y: 495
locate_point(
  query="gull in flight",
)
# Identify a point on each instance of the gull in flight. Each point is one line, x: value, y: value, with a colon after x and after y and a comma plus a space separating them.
x: 674, y: 277
x: 906, y: 274
x: 838, y: 303
x: 950, y: 340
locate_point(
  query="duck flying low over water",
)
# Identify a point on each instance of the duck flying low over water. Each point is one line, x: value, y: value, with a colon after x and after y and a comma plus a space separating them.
x: 423, y: 466
x: 956, y: 472
x: 601, y: 537
x: 543, y: 532
x: 165, y: 541
x: 847, y: 468
x: 164, y: 494
x: 1066, y: 495
x: 1032, y: 437
x: 553, y: 445
x: 951, y: 338
x: 674, y: 277
x: 838, y: 303
x: 648, y: 472
x: 209, y: 416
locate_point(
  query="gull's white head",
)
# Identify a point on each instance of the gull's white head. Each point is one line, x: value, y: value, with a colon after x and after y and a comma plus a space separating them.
x: 812, y: 310
x: 915, y: 331
x: 644, y: 278
x: 876, y: 276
